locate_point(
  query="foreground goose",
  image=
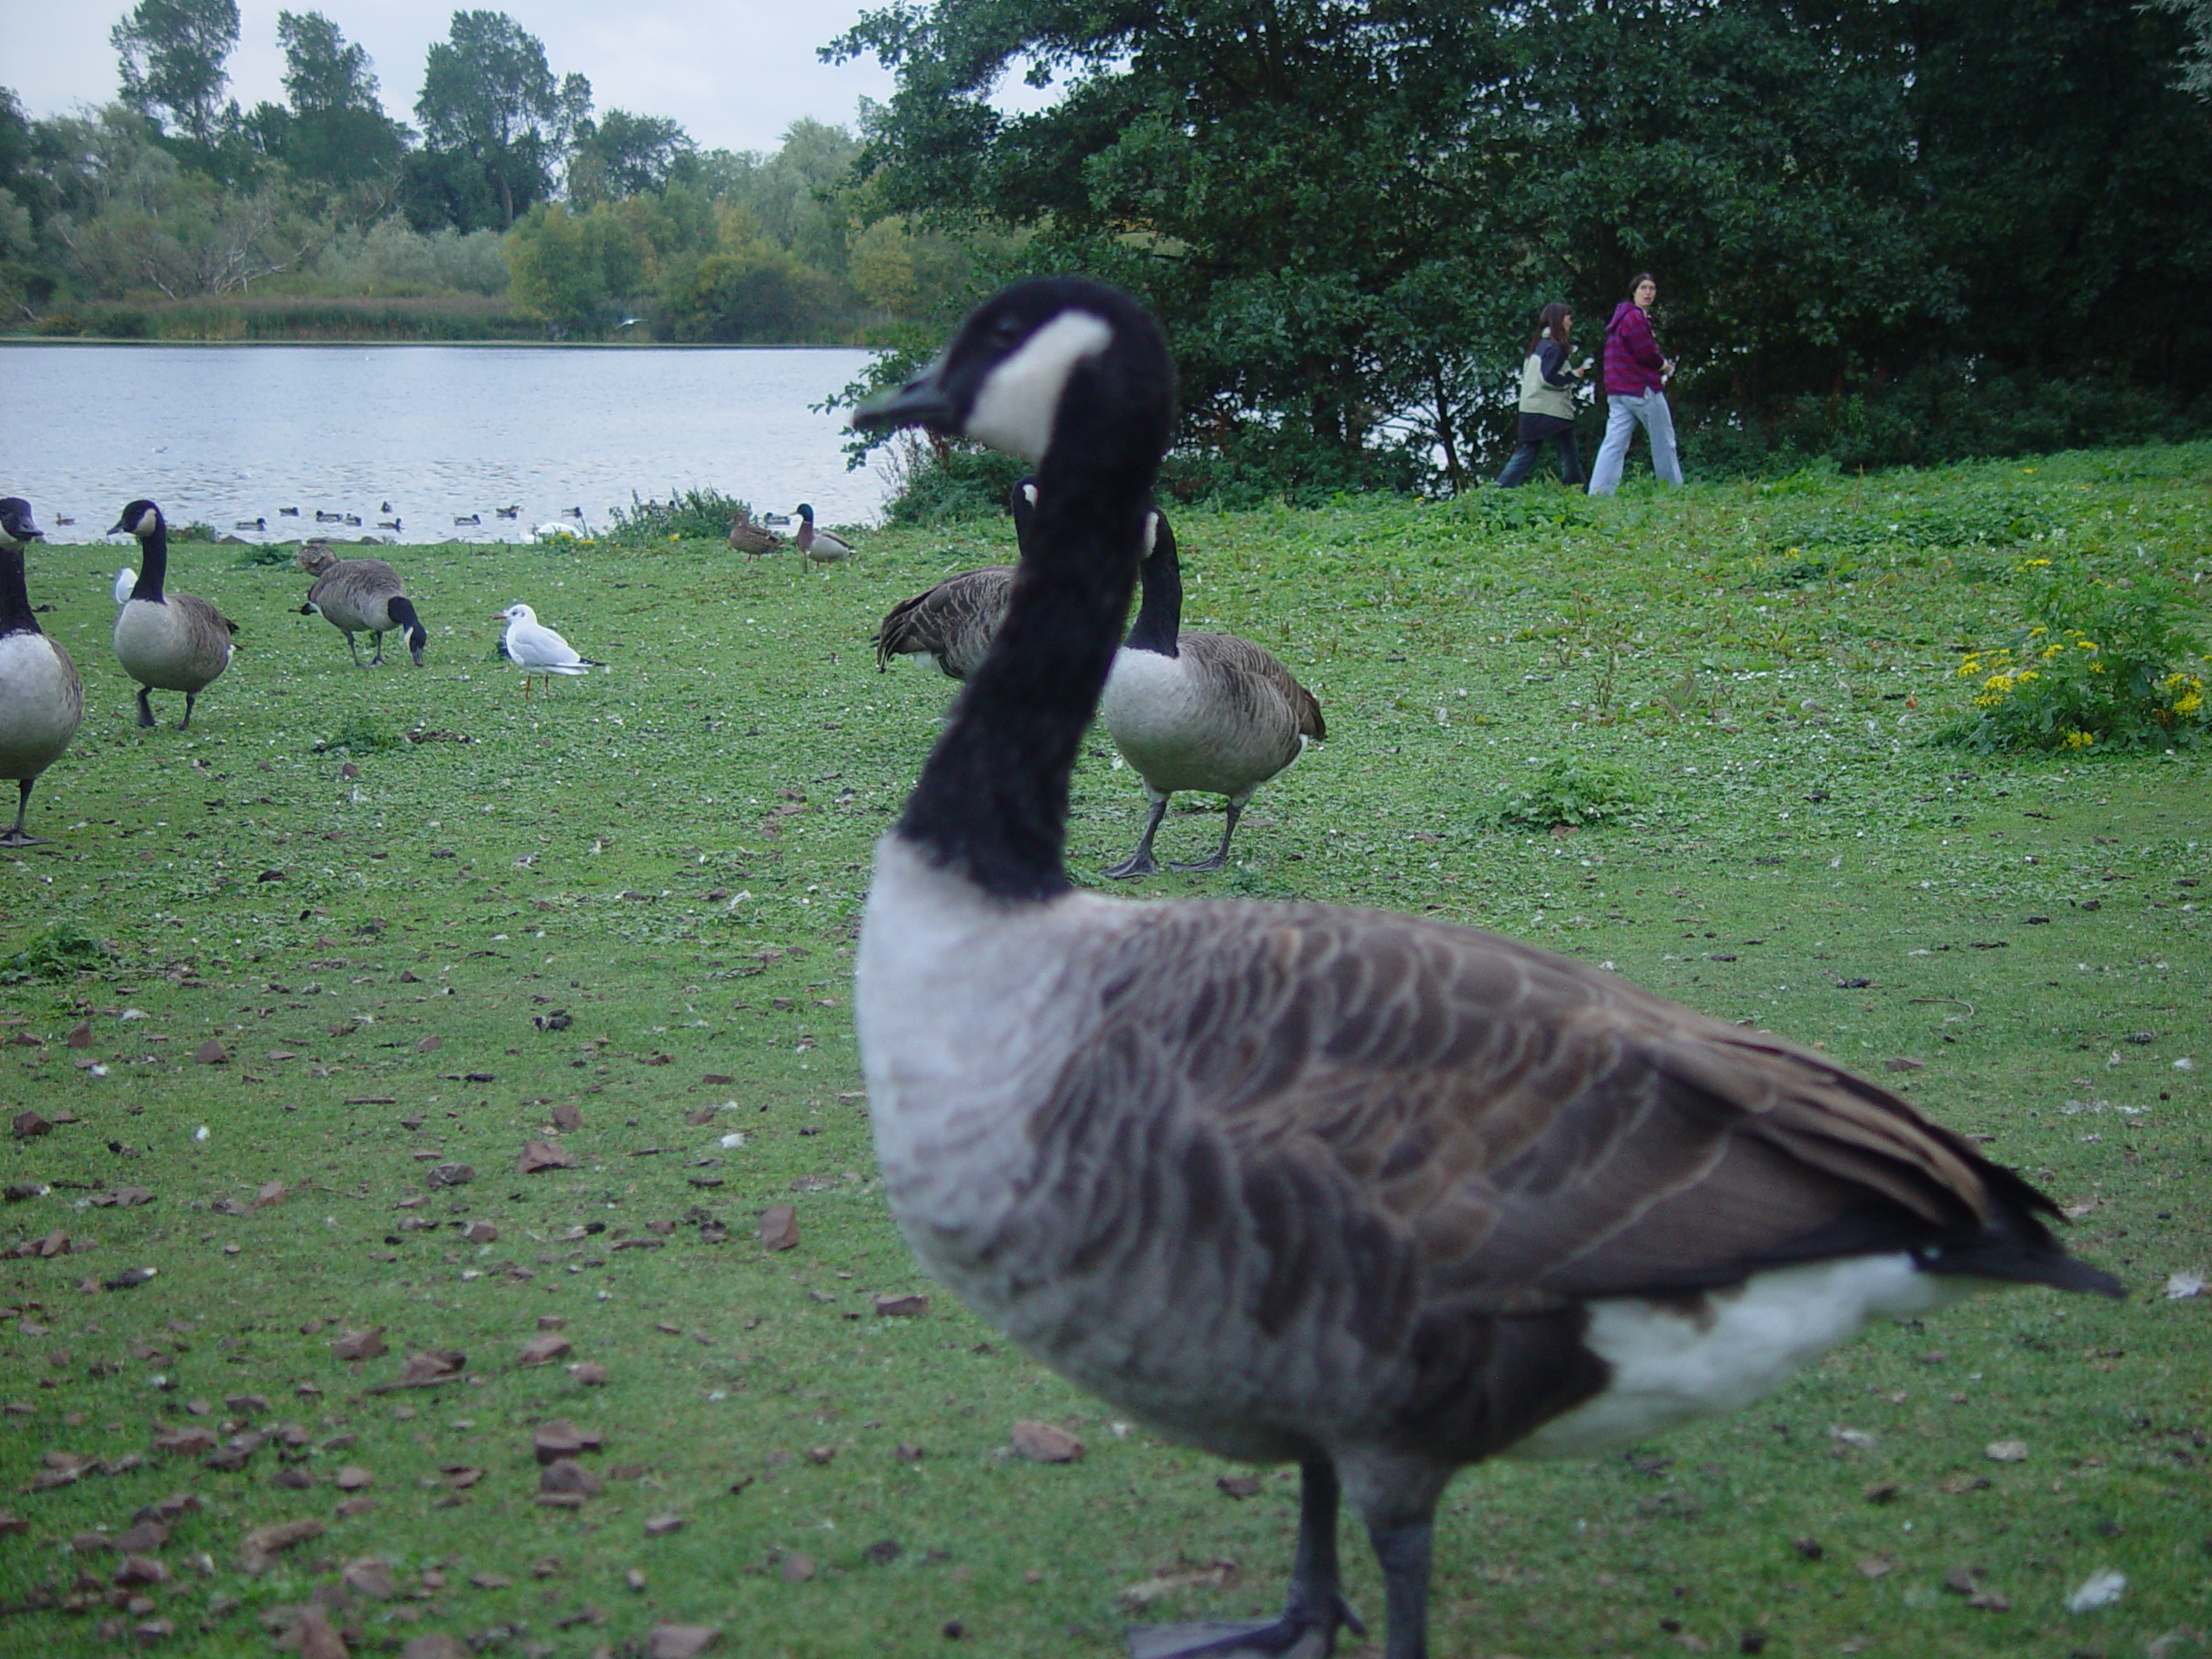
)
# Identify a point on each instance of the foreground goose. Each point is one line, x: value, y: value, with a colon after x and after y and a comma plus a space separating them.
x: 953, y: 623
x: 1205, y: 711
x: 819, y: 546
x: 41, y: 700
x: 538, y: 650
x: 362, y: 595
x: 1379, y: 1196
x: 167, y: 642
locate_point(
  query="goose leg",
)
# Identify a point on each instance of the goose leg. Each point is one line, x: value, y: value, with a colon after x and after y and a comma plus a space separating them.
x: 351, y: 646
x: 376, y: 646
x: 1140, y: 862
x: 145, y: 709
x: 1312, y: 1613
x: 17, y: 836
x: 1402, y: 1551
x: 190, y: 697
x: 1220, y: 856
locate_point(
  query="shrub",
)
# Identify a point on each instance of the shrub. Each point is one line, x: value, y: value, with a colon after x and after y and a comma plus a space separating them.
x: 62, y: 952
x: 691, y: 515
x: 1576, y: 790
x: 2112, y: 664
x: 933, y: 483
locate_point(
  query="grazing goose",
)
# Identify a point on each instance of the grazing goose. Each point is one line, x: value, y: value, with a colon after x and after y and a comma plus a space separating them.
x: 953, y: 623
x: 1206, y: 711
x: 41, y: 700
x: 538, y: 650
x: 364, y: 595
x: 167, y: 642
x: 819, y: 546
x: 1380, y: 1196
x: 749, y: 538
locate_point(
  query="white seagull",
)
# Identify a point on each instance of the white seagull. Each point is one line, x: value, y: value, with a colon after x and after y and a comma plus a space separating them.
x: 536, y: 648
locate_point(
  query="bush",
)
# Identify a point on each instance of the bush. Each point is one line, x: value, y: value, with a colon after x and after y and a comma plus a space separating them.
x: 1573, y: 790
x: 688, y: 515
x: 2113, y: 664
x: 62, y: 952
x: 934, y: 483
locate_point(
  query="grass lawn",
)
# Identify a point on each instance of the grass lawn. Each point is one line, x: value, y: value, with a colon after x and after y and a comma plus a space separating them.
x: 295, y: 992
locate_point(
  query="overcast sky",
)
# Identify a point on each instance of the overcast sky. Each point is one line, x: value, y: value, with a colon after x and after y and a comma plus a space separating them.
x: 736, y: 74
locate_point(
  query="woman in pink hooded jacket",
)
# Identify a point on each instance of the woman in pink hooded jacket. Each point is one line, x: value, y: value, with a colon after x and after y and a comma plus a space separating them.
x: 1636, y: 375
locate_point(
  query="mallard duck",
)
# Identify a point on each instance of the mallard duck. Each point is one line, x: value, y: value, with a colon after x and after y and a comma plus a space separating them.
x: 819, y: 546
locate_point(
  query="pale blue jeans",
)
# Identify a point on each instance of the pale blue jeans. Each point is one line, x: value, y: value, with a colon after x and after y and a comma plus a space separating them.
x: 1624, y: 414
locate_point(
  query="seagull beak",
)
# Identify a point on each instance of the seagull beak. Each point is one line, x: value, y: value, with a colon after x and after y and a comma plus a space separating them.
x: 921, y: 402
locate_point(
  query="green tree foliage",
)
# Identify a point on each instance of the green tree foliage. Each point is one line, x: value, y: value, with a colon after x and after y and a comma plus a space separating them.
x: 332, y: 131
x: 1347, y: 212
x: 497, y: 127
x: 172, y: 54
x: 625, y: 154
x: 2197, y: 67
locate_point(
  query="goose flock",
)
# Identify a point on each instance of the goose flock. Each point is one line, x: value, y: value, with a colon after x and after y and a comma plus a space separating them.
x: 1377, y: 1195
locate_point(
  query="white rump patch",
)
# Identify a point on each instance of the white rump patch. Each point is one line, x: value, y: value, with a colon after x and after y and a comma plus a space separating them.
x: 1675, y: 1363
x: 1021, y: 399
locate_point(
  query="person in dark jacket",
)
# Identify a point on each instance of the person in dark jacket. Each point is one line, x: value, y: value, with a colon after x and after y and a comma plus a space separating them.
x: 1547, y: 399
x: 1636, y: 378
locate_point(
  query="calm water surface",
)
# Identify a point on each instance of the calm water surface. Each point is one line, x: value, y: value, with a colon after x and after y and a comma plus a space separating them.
x: 423, y: 433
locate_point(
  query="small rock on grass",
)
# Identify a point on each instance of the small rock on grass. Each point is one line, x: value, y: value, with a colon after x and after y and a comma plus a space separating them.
x: 681, y: 1641
x: 360, y: 1344
x: 796, y: 1568
x: 2007, y: 1451
x: 543, y: 1350
x: 313, y: 1637
x: 537, y: 1155
x: 1045, y: 1443
x: 263, y: 1545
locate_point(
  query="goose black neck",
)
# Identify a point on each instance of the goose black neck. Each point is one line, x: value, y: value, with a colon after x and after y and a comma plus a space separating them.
x: 1160, y: 612
x: 401, y: 610
x: 153, y: 564
x: 993, y: 800
x: 14, y: 596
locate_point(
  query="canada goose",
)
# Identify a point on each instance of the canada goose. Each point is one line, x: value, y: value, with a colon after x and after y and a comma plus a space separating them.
x: 819, y: 546
x: 167, y: 642
x: 1380, y: 1196
x: 952, y: 624
x: 750, y: 538
x: 42, y: 699
x: 125, y: 580
x: 1204, y: 711
x: 466, y: 518
x: 537, y: 650
x: 364, y: 595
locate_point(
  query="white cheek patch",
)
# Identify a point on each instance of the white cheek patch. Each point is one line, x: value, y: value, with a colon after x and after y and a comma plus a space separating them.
x: 144, y: 527
x: 1019, y: 402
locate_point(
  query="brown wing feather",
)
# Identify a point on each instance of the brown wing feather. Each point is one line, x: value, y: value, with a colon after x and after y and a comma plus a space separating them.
x: 961, y: 610
x: 1534, y: 1129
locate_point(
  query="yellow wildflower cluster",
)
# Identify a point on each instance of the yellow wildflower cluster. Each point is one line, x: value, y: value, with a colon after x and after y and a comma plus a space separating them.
x: 2187, y: 692
x: 2079, y: 740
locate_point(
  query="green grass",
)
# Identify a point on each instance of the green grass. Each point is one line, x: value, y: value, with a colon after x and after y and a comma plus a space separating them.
x: 673, y: 855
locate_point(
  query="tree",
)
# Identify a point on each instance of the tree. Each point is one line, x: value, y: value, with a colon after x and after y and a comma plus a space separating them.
x: 2196, y: 70
x: 171, y: 54
x: 625, y: 154
x: 497, y: 127
x: 335, y: 131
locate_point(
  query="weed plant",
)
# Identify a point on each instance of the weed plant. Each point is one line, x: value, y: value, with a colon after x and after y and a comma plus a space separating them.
x: 285, y: 1021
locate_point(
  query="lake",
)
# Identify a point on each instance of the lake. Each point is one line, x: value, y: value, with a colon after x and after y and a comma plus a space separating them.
x: 419, y: 434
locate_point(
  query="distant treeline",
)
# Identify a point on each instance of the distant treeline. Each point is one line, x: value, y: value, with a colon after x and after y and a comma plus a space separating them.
x: 513, y: 212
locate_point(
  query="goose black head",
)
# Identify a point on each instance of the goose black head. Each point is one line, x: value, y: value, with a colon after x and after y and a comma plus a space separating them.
x: 141, y: 519
x: 402, y: 611
x: 16, y: 528
x: 1004, y: 379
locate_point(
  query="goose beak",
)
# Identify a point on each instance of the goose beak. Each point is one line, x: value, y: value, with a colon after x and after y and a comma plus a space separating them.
x: 120, y: 527
x: 921, y: 402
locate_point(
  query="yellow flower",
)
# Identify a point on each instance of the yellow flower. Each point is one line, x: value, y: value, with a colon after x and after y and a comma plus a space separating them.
x: 2079, y: 739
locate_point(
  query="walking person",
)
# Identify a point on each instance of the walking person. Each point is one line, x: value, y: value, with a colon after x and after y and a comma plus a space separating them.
x: 1547, y: 399
x: 1636, y: 378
